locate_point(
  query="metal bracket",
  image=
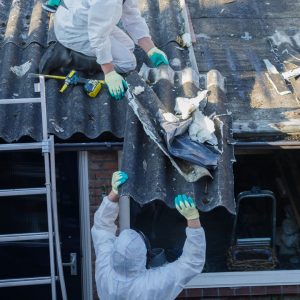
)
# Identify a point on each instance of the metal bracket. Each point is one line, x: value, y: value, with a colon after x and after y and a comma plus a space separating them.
x: 46, y: 146
x: 72, y: 264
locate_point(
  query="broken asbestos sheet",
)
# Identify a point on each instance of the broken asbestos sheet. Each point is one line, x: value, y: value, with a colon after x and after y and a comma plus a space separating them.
x: 150, y: 111
x: 287, y: 49
x: 154, y: 173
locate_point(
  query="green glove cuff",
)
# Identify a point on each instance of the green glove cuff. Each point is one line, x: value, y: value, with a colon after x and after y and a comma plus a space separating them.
x: 116, y: 84
x: 157, y: 57
x: 117, y: 180
x: 187, y: 207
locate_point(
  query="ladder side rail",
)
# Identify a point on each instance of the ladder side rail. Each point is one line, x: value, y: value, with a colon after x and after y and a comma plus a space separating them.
x: 50, y: 224
x: 20, y: 101
x: 55, y: 221
x: 43, y: 108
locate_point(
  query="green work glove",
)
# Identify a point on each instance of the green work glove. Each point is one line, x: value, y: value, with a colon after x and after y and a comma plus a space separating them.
x: 157, y: 57
x: 116, y: 84
x: 187, y: 207
x: 117, y: 180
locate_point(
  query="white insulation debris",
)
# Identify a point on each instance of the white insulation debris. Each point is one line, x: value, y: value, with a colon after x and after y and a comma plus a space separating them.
x: 21, y: 70
x: 202, y: 129
x: 186, y: 106
x: 138, y: 90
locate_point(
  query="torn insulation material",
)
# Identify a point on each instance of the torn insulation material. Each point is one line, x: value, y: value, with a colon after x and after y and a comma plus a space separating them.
x: 202, y: 129
x: 186, y: 106
x: 138, y: 90
x: 21, y: 70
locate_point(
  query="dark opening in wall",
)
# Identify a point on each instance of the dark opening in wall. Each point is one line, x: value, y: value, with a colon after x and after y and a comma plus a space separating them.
x: 275, y: 170
x: 27, y: 214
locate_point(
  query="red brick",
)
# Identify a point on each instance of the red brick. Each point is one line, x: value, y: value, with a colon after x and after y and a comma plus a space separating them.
x: 211, y: 292
x: 194, y: 293
x: 101, y: 166
x: 242, y: 291
x: 258, y: 290
x: 226, y: 291
x: 274, y: 290
x: 289, y: 289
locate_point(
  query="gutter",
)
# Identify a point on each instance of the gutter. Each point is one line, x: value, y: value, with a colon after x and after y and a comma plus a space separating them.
x: 102, y: 146
x: 268, y: 145
x: 117, y: 146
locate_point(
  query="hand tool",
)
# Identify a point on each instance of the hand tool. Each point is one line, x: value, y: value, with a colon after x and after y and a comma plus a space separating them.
x: 91, y: 87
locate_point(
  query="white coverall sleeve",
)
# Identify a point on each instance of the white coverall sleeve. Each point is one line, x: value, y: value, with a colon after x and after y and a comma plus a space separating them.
x: 104, y: 233
x: 101, y: 20
x: 173, y: 277
x: 133, y: 22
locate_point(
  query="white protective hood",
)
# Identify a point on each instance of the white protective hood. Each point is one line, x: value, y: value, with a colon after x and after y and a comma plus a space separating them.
x: 129, y: 255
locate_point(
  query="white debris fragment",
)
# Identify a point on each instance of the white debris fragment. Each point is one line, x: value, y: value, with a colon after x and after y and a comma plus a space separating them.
x: 65, y: 118
x: 202, y: 129
x: 145, y: 165
x: 187, y: 40
x: 15, y: 94
x: 169, y: 117
x: 185, y: 106
x: 138, y: 90
x: 175, y: 62
x: 21, y: 70
x: 156, y: 74
x: 202, y: 36
x: 56, y: 127
x: 246, y: 36
x: 280, y: 37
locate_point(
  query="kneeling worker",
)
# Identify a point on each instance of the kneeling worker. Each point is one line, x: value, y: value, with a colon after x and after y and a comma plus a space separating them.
x: 88, y: 29
x: 121, y: 271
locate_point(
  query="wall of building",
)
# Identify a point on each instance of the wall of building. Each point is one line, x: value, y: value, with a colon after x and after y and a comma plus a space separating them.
x: 102, y: 164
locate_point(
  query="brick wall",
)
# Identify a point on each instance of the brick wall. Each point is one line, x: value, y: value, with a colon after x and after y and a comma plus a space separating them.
x: 101, y: 166
x: 257, y: 292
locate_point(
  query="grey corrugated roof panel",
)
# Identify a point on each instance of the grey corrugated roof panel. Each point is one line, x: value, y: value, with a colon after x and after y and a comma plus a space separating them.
x: 235, y: 38
x: 23, y: 43
x: 25, y: 32
x: 152, y: 175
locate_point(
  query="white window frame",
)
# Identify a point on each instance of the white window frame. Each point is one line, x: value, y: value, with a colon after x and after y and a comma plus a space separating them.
x: 242, y: 279
x: 85, y: 231
x: 227, y: 279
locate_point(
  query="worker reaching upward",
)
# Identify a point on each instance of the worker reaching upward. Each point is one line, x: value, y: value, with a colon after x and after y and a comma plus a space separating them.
x: 89, y: 28
x: 121, y: 262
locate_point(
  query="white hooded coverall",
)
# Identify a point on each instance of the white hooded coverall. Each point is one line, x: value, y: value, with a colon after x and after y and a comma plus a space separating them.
x: 121, y: 272
x: 90, y: 27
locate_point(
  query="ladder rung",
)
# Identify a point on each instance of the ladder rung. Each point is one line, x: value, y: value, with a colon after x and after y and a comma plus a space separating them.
x: 23, y: 192
x: 24, y: 237
x: 25, y: 281
x: 21, y: 146
x: 20, y: 100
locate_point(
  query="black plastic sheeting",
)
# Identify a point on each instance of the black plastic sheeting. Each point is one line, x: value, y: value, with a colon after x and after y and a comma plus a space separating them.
x: 24, y: 35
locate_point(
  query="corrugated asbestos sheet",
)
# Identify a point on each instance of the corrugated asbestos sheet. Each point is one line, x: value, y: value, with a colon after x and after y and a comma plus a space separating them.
x: 235, y: 37
x: 24, y: 34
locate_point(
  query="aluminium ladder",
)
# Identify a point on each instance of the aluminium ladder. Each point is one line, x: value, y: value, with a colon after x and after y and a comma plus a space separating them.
x: 49, y: 190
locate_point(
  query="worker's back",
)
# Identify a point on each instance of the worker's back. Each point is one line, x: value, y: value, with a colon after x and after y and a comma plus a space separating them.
x: 123, y: 276
x: 72, y: 22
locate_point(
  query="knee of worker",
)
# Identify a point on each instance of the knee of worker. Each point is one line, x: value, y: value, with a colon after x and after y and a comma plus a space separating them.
x: 125, y: 65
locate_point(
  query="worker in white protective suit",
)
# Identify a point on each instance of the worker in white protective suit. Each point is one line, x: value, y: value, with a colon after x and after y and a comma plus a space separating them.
x: 89, y: 27
x: 121, y: 272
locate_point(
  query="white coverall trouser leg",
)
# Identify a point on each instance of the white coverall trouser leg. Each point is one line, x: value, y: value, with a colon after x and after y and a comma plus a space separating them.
x: 122, y: 47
